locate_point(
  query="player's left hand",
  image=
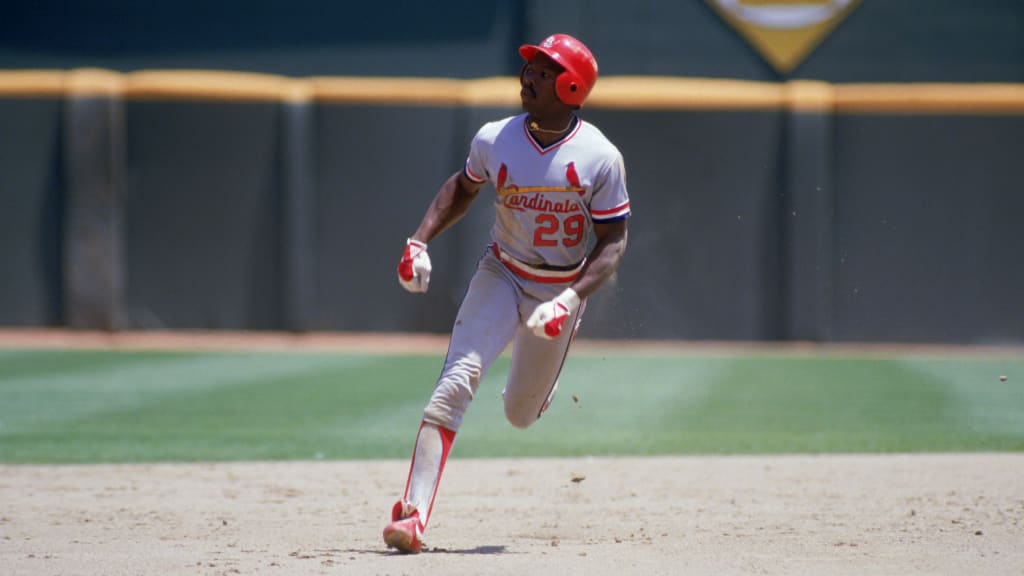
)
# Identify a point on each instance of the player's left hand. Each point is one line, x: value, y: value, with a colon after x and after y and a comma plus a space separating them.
x: 548, y: 319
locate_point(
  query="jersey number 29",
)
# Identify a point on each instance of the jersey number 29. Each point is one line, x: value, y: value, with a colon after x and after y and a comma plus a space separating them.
x: 547, y: 230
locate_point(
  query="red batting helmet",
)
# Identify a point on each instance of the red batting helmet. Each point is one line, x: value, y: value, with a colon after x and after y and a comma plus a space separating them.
x: 574, y: 84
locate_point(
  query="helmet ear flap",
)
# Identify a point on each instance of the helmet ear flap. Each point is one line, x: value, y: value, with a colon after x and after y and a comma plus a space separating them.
x: 567, y: 87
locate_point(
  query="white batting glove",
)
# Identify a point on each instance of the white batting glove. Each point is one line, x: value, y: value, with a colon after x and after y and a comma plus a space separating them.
x: 414, y: 267
x: 548, y: 318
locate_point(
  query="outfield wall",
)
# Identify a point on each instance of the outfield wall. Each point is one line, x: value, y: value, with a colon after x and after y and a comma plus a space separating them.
x: 798, y: 210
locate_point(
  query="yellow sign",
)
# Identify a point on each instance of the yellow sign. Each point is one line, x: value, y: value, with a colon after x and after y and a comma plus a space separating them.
x: 784, y: 31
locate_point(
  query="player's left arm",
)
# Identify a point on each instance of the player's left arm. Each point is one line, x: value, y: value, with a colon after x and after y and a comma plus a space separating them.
x: 604, y: 258
x: 549, y: 318
x: 610, y: 228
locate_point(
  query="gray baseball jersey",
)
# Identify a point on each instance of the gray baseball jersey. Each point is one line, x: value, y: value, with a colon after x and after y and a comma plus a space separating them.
x: 548, y: 199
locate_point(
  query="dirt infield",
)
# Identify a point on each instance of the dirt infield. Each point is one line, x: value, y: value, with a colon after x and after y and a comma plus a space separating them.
x: 899, y: 514
x: 846, y: 514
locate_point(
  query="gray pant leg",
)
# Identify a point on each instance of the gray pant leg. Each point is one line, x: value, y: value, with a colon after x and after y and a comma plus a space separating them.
x: 485, y: 324
x: 536, y: 364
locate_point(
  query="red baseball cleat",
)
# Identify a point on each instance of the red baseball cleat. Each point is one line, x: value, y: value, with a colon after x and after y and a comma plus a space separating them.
x: 405, y: 529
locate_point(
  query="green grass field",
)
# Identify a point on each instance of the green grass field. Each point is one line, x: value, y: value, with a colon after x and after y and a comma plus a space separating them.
x: 78, y: 406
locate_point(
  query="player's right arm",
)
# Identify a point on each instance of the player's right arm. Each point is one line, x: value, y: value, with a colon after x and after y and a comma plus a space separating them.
x: 449, y: 205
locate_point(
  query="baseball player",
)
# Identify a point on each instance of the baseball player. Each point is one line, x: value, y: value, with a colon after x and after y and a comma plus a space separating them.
x: 559, y: 232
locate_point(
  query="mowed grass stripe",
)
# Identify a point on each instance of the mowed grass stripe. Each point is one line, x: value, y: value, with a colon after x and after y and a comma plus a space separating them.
x: 123, y: 406
x: 187, y: 406
x: 986, y: 404
x: 617, y: 405
x: 822, y: 405
x: 83, y: 383
x: 765, y: 405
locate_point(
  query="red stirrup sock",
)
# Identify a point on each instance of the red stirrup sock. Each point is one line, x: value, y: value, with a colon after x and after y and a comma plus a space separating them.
x: 433, y: 443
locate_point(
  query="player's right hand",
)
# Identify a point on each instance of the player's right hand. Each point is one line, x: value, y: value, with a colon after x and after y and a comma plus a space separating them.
x: 414, y: 267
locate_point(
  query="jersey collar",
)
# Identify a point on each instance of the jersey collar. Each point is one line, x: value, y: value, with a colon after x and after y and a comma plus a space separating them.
x: 545, y: 149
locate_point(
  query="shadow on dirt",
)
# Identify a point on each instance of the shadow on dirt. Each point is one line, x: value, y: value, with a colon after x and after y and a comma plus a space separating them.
x: 468, y: 551
x: 479, y: 550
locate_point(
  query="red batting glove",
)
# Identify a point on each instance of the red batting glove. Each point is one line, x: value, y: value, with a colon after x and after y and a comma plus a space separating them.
x: 414, y: 267
x: 548, y: 319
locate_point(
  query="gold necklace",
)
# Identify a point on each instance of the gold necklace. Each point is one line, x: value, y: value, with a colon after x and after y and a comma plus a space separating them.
x: 534, y: 127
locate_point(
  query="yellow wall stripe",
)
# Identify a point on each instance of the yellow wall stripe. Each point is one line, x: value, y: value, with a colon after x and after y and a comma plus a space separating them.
x: 614, y: 92
x: 31, y: 83
x: 931, y: 98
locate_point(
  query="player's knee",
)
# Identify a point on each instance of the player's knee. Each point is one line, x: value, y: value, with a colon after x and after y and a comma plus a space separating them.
x: 442, y: 417
x: 520, y: 418
x: 448, y: 404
